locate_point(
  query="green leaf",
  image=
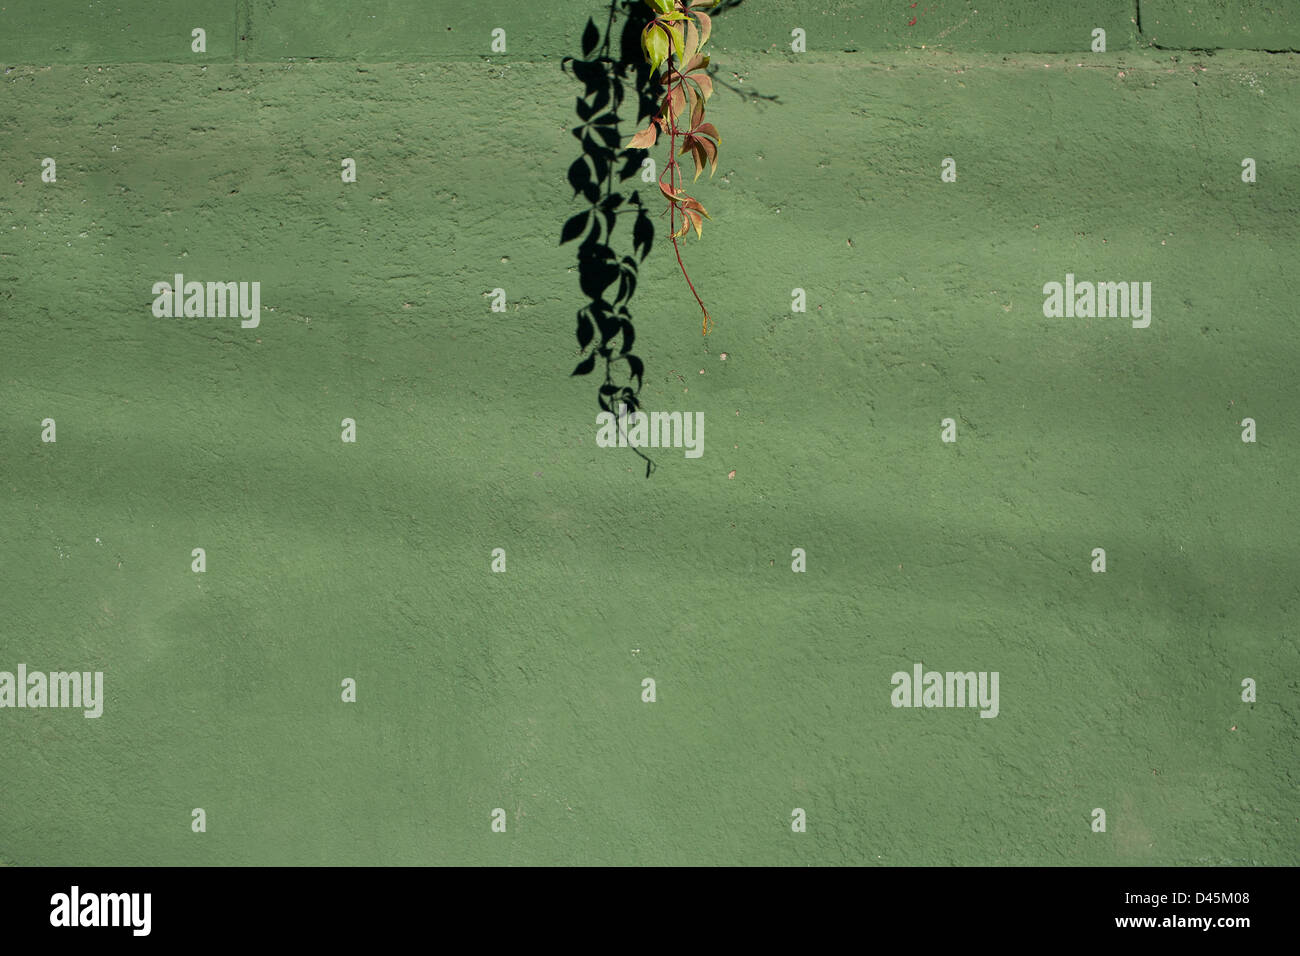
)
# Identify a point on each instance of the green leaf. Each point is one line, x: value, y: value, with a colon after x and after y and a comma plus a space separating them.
x: 676, y: 33
x: 663, y: 6
x: 655, y: 44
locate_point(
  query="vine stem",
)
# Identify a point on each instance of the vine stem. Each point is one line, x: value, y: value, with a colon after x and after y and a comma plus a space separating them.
x: 673, y: 175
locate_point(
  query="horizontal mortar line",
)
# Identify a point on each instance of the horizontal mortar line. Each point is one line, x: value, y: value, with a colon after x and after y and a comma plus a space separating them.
x: 1219, y: 49
x: 791, y: 59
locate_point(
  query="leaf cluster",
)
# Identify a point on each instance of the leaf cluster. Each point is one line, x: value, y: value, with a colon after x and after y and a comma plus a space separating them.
x: 674, y: 40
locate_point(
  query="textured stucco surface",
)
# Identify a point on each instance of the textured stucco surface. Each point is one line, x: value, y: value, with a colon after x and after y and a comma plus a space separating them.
x: 101, y: 31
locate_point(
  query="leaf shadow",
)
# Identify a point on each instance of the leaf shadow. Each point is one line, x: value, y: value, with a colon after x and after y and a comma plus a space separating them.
x: 614, y: 74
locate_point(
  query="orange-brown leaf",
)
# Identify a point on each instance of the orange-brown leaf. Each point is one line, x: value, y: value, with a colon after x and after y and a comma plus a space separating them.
x: 691, y: 202
x: 706, y: 27
x: 644, y: 139
x: 695, y: 221
x: 710, y: 151
x: 692, y: 42
x: 696, y: 147
x: 674, y: 103
x: 670, y: 193
x: 707, y: 129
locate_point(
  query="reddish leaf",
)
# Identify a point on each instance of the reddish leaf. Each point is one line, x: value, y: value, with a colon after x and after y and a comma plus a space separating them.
x: 674, y: 103
x: 696, y: 148
x: 704, y: 151
x: 706, y: 27
x: 692, y: 203
x: 644, y: 139
x: 711, y: 151
x: 696, y: 62
x: 670, y: 193
x: 708, y: 129
x: 692, y: 41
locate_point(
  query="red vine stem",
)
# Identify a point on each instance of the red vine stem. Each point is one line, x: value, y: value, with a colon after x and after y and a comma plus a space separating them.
x: 673, y: 173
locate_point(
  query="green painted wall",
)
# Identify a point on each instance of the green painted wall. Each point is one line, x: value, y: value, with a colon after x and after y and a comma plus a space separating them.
x: 522, y: 690
x: 1231, y: 24
x: 153, y: 31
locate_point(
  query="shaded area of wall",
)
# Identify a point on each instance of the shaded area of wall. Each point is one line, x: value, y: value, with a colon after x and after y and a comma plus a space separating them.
x: 1221, y: 24
x: 129, y: 31
x: 148, y: 31
x: 409, y: 29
